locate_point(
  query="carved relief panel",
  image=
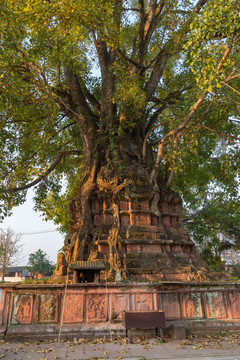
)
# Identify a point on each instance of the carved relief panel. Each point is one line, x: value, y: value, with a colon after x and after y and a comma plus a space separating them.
x: 119, y: 303
x: 48, y: 308
x: 171, y: 305
x: 96, y: 307
x: 22, y: 309
x: 234, y: 298
x: 143, y: 302
x: 73, y: 309
x: 192, y: 306
x: 217, y: 308
x: 141, y: 219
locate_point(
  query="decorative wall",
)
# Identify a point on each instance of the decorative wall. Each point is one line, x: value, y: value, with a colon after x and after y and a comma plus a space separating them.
x: 85, y: 305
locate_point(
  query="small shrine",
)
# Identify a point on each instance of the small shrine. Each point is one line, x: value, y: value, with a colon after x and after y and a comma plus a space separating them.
x: 86, y: 271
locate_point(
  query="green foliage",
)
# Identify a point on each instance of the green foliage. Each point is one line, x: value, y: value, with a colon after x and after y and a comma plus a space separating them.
x: 37, y: 281
x: 38, y: 263
x: 40, y: 38
x: 210, y: 253
x: 211, y: 35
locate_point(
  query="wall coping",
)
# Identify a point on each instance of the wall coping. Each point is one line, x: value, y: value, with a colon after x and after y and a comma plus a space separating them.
x: 153, y: 285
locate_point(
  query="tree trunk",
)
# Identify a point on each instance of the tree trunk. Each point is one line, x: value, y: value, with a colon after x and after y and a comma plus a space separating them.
x: 118, y: 217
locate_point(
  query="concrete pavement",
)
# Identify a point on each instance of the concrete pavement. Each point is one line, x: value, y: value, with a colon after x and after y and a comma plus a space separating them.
x: 222, y: 347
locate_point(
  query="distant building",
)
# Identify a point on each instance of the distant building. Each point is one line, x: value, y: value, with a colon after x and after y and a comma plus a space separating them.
x: 16, y: 274
x: 230, y: 257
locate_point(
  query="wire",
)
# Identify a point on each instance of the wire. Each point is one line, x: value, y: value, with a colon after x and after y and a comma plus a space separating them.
x: 38, y: 232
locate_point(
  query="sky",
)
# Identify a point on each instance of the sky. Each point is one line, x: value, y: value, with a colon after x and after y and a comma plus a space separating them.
x: 36, y: 233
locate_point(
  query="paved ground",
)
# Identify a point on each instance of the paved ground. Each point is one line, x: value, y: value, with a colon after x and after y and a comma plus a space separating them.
x: 222, y: 347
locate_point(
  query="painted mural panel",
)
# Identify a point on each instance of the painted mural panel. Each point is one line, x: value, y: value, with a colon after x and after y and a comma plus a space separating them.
x: 73, y: 308
x: 22, y: 309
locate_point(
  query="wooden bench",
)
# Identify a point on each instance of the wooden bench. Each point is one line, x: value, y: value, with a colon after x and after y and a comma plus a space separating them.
x: 143, y: 320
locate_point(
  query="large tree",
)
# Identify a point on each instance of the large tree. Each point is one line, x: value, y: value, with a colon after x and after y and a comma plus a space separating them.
x: 38, y: 263
x: 112, y: 99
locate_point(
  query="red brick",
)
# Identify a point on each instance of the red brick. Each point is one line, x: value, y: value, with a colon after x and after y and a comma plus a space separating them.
x: 166, y: 221
x: 154, y: 220
x: 151, y: 248
x: 141, y: 219
x: 174, y: 221
x: 124, y: 205
x: 125, y: 219
x: 176, y: 248
x: 98, y: 220
x: 107, y: 219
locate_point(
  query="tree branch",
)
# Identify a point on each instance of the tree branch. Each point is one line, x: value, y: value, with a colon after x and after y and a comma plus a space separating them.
x: 86, y: 121
x: 179, y: 128
x: 194, y: 216
x: 169, y: 99
x: 106, y: 59
x: 148, y: 24
x: 199, y: 6
x: 46, y: 173
x: 164, y: 55
x: 157, y: 73
x: 131, y: 9
x: 230, y: 138
x: 128, y: 59
x: 147, y: 135
x: 91, y: 98
x: 154, y: 117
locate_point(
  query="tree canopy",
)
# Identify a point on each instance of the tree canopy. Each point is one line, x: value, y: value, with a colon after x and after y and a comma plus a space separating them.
x: 38, y: 263
x: 80, y: 75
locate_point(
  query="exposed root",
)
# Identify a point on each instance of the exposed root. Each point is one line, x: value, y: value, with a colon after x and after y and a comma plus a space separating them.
x: 197, y: 275
x: 115, y: 259
x: 203, y: 275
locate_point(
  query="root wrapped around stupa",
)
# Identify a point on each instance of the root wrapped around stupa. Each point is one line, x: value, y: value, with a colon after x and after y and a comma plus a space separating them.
x: 140, y: 235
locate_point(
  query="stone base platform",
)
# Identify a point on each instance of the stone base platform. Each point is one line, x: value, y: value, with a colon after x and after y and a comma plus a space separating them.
x: 95, y: 310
